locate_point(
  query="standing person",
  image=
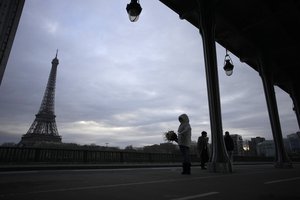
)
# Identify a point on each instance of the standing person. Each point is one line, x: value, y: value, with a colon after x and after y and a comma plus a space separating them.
x: 184, y: 142
x: 202, y: 149
x: 229, y: 145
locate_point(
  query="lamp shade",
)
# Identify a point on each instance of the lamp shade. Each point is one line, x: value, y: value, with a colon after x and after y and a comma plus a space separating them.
x: 228, y: 67
x: 134, y: 9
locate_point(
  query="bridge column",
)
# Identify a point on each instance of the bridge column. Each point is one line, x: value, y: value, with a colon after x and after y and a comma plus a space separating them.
x: 219, y: 161
x: 281, y: 158
x: 296, y: 98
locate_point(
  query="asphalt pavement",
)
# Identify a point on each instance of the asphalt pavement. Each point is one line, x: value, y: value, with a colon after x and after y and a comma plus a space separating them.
x: 263, y: 182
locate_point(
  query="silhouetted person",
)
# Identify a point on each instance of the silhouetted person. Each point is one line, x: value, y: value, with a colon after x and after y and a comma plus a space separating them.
x: 203, y: 149
x: 229, y: 145
x: 184, y: 142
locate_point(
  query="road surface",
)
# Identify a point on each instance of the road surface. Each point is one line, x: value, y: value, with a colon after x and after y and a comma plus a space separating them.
x: 262, y: 182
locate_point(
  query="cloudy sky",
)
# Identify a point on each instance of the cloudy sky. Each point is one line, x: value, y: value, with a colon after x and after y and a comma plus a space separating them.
x: 124, y: 83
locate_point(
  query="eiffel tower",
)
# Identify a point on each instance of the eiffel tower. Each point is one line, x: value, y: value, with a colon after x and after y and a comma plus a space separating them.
x: 44, y: 129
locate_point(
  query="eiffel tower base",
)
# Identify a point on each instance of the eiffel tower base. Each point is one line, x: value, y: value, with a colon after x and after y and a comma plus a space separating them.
x: 31, y: 139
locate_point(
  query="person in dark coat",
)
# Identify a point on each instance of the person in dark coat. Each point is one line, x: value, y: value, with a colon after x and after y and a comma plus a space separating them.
x: 203, y: 149
x: 229, y: 145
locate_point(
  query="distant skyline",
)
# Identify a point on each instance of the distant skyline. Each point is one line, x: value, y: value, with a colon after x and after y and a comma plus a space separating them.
x: 121, y: 83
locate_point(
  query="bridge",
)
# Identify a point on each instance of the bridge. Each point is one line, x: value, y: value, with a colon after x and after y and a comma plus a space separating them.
x: 48, y: 173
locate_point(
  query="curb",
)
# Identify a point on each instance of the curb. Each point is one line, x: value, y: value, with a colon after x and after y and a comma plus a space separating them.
x: 33, y: 167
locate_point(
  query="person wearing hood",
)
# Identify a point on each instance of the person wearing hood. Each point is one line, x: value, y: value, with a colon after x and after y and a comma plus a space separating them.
x: 184, y: 142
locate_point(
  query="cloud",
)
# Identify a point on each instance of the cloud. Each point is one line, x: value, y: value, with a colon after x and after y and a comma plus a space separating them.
x: 51, y: 27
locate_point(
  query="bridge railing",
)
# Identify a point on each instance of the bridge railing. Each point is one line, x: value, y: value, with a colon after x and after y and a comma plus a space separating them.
x: 54, y: 155
x: 49, y: 155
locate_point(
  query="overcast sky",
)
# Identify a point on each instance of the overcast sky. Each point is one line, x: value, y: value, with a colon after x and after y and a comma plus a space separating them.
x: 124, y: 83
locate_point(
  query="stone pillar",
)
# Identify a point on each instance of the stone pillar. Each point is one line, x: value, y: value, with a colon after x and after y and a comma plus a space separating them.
x: 296, y: 97
x: 281, y: 158
x: 219, y: 161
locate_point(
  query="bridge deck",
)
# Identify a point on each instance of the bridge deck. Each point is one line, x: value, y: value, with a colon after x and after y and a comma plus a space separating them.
x: 246, y: 182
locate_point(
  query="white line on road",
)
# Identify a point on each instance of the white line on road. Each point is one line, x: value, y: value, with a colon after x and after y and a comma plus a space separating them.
x: 110, y: 186
x: 282, y: 180
x: 119, y: 185
x: 122, y: 169
x: 19, y: 172
x: 197, y: 196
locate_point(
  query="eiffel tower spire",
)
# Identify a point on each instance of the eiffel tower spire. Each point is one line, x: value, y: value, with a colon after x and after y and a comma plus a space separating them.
x: 44, y: 129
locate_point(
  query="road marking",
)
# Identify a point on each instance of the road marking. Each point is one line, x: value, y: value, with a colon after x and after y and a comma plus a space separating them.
x: 18, y: 172
x: 282, y: 180
x: 108, y: 186
x: 197, y: 196
x: 122, y: 169
x: 117, y: 185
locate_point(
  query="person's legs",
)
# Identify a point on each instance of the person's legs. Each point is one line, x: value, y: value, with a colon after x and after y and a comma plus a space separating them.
x: 186, y: 163
x: 188, y: 160
x: 230, y: 154
x: 202, y: 164
x: 182, y: 150
x: 203, y: 159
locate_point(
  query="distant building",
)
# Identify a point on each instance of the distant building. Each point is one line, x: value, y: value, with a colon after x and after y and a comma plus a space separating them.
x: 238, y: 145
x: 266, y: 148
x: 287, y: 145
x: 294, y: 142
x: 253, y: 145
x: 167, y: 147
